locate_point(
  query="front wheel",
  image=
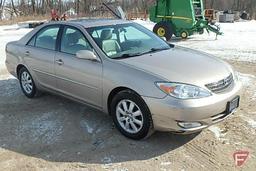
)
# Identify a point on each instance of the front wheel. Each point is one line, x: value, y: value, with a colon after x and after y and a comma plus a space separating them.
x: 131, y: 115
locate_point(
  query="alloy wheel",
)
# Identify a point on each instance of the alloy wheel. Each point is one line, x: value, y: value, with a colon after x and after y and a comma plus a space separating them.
x: 26, y: 82
x: 129, y: 116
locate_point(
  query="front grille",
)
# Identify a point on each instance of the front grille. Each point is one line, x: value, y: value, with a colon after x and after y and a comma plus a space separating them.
x: 220, y: 85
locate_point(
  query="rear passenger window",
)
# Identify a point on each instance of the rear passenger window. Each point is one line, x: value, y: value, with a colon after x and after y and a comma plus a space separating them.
x: 46, y: 38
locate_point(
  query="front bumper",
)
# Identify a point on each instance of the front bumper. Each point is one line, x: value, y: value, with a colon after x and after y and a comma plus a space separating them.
x: 167, y: 113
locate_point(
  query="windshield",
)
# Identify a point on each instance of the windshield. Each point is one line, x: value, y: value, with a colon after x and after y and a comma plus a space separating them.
x: 126, y: 40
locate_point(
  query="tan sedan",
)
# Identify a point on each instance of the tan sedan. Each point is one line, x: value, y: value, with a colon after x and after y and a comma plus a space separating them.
x: 123, y: 69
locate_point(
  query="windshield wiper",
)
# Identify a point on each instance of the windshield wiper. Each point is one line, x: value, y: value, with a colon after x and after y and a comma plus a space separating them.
x: 158, y: 49
x: 128, y: 55
x: 155, y: 50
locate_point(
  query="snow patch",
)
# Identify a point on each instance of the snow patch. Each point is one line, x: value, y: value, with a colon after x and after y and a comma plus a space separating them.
x: 9, y: 33
x: 148, y: 24
x: 84, y: 124
x: 254, y: 95
x: 250, y: 121
x: 44, y: 128
x: 165, y: 163
x: 6, y: 77
x: 249, y: 81
x: 227, y: 46
x: 123, y: 169
x: 106, y: 160
x: 14, y: 29
x: 217, y: 132
x: 246, y: 79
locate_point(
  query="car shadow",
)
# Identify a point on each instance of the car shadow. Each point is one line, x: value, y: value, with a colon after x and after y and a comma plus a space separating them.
x: 59, y: 130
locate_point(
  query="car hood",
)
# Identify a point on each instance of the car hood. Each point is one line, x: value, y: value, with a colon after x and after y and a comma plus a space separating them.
x: 182, y: 65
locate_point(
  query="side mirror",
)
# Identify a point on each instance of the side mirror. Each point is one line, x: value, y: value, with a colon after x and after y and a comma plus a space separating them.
x: 87, y: 54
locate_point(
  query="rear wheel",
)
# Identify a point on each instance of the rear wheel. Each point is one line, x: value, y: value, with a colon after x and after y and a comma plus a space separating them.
x: 184, y: 34
x: 163, y: 29
x: 27, y: 83
x: 131, y: 115
x: 201, y: 31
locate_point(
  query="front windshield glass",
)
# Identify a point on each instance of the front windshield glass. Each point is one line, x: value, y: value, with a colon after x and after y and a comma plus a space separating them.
x: 126, y: 40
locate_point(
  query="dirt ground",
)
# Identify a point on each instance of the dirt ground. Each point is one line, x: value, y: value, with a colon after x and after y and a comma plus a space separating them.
x: 53, y: 133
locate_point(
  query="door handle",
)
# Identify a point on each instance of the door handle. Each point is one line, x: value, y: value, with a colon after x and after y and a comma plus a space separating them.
x: 59, y: 62
x: 27, y: 53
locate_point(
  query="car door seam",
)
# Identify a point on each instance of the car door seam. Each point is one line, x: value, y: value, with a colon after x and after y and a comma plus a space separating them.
x: 65, y: 79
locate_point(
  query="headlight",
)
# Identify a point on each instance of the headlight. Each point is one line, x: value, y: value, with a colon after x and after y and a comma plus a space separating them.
x: 183, y: 91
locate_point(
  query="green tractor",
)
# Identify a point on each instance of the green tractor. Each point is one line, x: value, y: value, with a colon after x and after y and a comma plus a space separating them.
x: 181, y: 18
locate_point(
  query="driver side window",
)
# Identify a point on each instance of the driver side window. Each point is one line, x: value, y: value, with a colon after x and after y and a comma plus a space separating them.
x: 73, y: 41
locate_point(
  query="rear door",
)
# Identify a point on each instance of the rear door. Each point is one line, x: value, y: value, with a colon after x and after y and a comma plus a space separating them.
x: 79, y: 78
x: 40, y: 53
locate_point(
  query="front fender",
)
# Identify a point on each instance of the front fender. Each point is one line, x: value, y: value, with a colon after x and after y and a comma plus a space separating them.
x: 116, y: 74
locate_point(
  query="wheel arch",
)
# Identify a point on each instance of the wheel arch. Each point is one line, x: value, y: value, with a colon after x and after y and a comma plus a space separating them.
x: 18, y: 68
x: 150, y: 124
x: 114, y: 92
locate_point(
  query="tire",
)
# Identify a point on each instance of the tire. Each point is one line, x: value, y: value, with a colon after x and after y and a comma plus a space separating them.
x: 126, y: 120
x: 163, y: 29
x: 27, y: 84
x: 201, y: 31
x: 184, y: 35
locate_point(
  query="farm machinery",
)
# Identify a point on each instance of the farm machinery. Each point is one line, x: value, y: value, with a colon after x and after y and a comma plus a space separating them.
x: 181, y: 18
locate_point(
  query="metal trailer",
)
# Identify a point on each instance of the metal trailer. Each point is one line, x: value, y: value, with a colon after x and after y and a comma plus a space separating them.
x: 181, y: 18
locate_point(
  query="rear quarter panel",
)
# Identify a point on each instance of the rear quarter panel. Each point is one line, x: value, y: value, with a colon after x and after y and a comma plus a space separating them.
x: 14, y: 55
x: 13, y: 58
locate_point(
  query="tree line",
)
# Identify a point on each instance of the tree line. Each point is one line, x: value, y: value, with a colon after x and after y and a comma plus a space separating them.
x: 86, y: 7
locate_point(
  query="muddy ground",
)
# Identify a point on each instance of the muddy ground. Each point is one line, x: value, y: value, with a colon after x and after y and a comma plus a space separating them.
x: 53, y: 133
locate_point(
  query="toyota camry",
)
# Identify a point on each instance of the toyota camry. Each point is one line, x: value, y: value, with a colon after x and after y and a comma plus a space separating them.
x: 121, y: 68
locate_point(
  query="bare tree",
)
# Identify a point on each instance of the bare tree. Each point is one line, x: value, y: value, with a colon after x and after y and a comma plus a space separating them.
x: 1, y: 1
x: 83, y: 7
x: 77, y: 6
x: 14, y: 8
x: 1, y: 9
x: 33, y: 6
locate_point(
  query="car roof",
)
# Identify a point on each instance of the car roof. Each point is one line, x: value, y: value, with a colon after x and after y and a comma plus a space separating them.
x: 88, y: 23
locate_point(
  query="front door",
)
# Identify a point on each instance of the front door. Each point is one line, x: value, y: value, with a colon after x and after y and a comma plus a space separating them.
x: 79, y: 78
